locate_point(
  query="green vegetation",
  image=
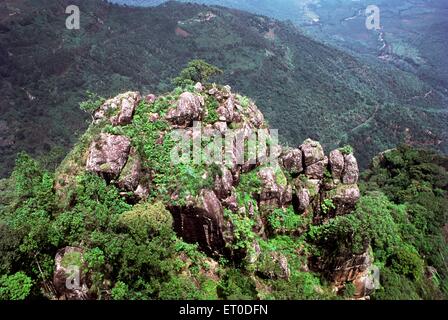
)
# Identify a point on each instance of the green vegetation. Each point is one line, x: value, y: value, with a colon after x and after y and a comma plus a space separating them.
x: 15, y: 287
x: 196, y: 71
x: 346, y: 150
x: 327, y: 205
x: 130, y: 250
x: 287, y: 221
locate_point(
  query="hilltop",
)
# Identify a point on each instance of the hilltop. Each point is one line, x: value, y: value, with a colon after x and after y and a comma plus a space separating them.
x: 139, y: 216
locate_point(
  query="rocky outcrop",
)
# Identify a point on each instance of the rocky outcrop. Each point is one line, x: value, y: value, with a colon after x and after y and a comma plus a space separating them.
x: 344, y: 197
x: 303, y: 178
x: 188, y: 109
x: 226, y: 111
x: 223, y: 183
x: 275, y: 192
x: 130, y: 175
x: 201, y: 222
x: 351, y: 171
x: 357, y: 269
x: 119, y: 110
x: 291, y: 160
x: 312, y: 152
x: 108, y: 155
x: 336, y: 164
x: 69, y: 279
x: 314, y: 158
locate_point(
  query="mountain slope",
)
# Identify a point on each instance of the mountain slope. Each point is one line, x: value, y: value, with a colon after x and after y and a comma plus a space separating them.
x: 412, y: 34
x: 304, y: 88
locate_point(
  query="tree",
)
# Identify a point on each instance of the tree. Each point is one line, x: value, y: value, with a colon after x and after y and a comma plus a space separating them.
x: 92, y: 103
x: 196, y: 71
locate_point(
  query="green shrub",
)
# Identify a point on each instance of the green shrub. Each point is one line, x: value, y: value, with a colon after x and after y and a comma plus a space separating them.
x: 120, y: 291
x: 235, y: 285
x: 346, y: 150
x: 146, y: 220
x: 15, y: 287
x: 405, y: 260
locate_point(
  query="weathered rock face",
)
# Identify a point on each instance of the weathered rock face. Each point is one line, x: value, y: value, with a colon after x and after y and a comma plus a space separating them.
x: 130, y: 175
x: 351, y: 172
x: 336, y: 164
x: 223, y: 183
x: 312, y: 152
x: 317, y: 169
x: 357, y: 269
x: 120, y: 109
x: 273, y: 193
x: 108, y: 155
x: 291, y: 160
x: 201, y: 222
x: 69, y: 279
x: 344, y: 198
x: 304, y: 198
x: 189, y: 108
x: 226, y: 111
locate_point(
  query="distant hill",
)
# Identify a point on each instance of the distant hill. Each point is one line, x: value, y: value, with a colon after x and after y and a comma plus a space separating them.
x: 413, y: 35
x: 305, y: 89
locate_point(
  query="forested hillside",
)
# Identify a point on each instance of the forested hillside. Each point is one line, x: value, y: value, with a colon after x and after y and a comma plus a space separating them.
x: 304, y: 88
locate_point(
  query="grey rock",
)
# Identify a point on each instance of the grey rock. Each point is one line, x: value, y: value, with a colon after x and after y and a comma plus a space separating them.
x: 108, y: 155
x: 336, y: 164
x: 291, y: 160
x: 317, y: 169
x: 351, y: 170
x: 189, y: 108
x: 70, y: 280
x: 130, y: 175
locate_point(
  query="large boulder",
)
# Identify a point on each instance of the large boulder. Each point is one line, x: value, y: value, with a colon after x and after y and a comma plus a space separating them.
x: 119, y: 110
x: 291, y: 160
x: 303, y: 198
x: 108, y: 155
x: 344, y: 197
x: 130, y: 175
x: 70, y: 279
x: 275, y: 191
x: 202, y: 222
x: 351, y: 171
x: 317, y: 169
x: 336, y: 164
x: 188, y: 109
x: 312, y: 152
